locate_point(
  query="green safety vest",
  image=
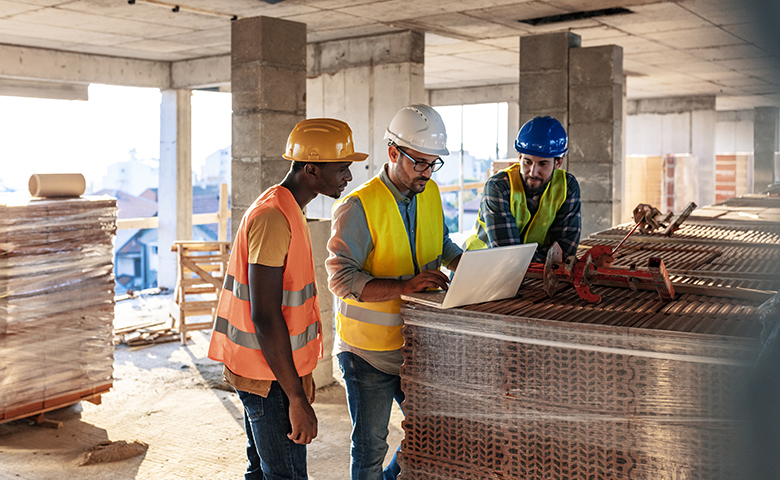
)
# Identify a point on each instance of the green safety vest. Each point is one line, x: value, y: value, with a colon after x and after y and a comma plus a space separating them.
x: 552, y: 199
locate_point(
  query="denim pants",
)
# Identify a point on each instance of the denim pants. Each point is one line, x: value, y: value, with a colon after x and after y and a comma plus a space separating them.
x: 272, y: 456
x: 370, y: 395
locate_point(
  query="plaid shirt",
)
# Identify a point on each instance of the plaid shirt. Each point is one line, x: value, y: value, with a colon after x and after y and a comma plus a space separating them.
x: 501, y: 228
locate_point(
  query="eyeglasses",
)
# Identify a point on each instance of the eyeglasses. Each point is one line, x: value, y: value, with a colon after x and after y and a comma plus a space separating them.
x: 421, y: 166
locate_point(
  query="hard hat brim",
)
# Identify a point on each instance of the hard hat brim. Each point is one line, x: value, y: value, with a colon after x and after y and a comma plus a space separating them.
x: 537, y: 153
x: 442, y: 152
x: 355, y: 157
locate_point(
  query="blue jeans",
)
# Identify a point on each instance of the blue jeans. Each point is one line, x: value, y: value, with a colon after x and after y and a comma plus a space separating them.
x: 272, y: 456
x: 370, y: 395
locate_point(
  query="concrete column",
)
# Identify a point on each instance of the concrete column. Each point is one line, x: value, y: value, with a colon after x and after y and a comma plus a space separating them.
x: 544, y: 75
x: 268, y: 82
x: 766, y: 130
x: 512, y: 128
x: 174, y: 206
x: 364, y: 82
x: 596, y: 119
x: 320, y: 233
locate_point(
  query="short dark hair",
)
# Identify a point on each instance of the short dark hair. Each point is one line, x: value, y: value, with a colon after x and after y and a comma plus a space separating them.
x: 298, y: 166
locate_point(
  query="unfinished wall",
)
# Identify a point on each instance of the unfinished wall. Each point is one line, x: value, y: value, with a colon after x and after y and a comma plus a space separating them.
x: 676, y: 126
x: 364, y: 82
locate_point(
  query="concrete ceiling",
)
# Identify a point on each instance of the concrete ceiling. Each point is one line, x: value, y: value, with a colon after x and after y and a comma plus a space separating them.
x: 681, y: 48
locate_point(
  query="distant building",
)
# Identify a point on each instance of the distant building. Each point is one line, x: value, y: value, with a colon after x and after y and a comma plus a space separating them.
x: 136, y: 250
x: 474, y: 169
x: 217, y: 168
x: 133, y: 176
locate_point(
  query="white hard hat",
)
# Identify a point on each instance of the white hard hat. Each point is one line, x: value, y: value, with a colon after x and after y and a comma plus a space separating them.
x: 420, y: 128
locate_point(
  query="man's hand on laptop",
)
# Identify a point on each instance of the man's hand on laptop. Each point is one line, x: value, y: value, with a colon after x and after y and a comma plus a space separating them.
x: 427, y: 279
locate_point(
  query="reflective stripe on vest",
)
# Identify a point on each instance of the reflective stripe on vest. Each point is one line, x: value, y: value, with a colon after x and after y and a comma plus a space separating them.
x: 249, y: 339
x: 376, y: 326
x: 289, y: 299
x: 369, y: 316
x: 552, y: 200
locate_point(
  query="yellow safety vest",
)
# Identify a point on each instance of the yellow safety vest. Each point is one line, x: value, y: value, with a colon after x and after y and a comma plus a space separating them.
x: 552, y: 199
x: 377, y: 326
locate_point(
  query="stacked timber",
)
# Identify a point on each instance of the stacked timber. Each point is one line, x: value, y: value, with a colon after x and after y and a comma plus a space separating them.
x: 56, y: 302
x: 633, y: 387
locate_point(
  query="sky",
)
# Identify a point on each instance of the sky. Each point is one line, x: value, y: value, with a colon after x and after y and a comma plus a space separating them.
x: 72, y: 136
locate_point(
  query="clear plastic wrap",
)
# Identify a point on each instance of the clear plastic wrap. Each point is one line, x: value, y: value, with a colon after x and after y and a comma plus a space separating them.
x: 56, y: 301
x: 493, y: 395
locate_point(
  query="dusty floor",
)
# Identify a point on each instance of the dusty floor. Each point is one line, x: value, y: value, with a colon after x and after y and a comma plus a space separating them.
x: 163, y: 396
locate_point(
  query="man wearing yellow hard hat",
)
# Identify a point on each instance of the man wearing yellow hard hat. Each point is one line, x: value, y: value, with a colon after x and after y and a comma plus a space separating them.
x: 389, y: 238
x: 268, y: 331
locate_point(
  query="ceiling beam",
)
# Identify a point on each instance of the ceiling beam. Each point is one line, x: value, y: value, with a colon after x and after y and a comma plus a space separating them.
x: 35, y: 89
x: 473, y: 95
x: 205, y: 72
x: 29, y: 63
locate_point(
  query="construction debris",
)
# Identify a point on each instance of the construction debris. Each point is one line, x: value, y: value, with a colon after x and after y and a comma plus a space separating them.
x: 140, y: 293
x: 107, y: 452
x: 146, y: 336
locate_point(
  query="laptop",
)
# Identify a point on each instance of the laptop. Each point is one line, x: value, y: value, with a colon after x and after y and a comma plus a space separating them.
x: 482, y: 276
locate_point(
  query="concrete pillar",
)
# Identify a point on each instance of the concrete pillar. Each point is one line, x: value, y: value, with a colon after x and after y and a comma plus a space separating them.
x: 544, y: 75
x: 268, y: 83
x: 512, y: 128
x: 174, y: 204
x: 320, y: 233
x: 596, y: 118
x: 364, y: 82
x: 766, y: 130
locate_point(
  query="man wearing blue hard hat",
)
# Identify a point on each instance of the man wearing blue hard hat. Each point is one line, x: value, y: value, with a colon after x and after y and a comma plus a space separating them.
x: 533, y: 200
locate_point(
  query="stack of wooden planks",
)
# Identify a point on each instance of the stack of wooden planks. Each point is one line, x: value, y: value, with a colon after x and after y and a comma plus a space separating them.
x: 56, y: 302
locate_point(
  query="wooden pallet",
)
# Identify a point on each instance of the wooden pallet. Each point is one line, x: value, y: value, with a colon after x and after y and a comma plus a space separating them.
x: 201, y: 272
x: 92, y: 395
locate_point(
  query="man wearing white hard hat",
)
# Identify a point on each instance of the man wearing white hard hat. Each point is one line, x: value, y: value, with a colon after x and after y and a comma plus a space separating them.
x: 389, y: 238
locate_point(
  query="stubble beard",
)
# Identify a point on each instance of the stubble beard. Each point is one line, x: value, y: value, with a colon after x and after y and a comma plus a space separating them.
x: 534, y: 191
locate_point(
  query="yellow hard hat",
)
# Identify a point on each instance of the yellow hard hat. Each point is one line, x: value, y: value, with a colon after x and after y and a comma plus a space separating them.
x: 322, y: 140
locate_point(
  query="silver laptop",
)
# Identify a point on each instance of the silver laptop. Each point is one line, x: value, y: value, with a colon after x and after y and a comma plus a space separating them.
x: 482, y: 276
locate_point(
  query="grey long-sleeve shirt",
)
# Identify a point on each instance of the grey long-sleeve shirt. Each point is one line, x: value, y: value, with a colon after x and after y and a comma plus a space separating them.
x: 349, y: 246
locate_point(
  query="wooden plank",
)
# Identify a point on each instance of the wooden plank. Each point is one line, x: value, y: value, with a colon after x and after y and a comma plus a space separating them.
x: 37, y: 408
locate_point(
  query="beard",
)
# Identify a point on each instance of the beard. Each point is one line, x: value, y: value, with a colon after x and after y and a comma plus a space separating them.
x: 535, y: 191
x: 414, y: 185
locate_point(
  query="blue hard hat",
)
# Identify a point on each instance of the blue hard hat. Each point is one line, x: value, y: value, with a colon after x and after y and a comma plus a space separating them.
x: 542, y: 137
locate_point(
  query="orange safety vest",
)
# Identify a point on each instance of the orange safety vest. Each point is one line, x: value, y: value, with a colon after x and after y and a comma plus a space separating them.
x: 234, y: 340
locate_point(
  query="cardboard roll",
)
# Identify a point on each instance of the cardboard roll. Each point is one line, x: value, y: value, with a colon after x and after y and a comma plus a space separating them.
x: 57, y: 185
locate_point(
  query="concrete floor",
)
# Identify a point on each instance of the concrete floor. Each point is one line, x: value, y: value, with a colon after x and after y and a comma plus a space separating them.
x: 163, y: 396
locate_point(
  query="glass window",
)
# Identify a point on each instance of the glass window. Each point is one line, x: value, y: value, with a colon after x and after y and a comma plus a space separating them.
x: 476, y: 136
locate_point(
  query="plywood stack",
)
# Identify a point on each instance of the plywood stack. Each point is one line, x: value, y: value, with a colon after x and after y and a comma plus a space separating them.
x: 733, y: 176
x: 632, y: 388
x: 56, y: 302
x: 643, y: 182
